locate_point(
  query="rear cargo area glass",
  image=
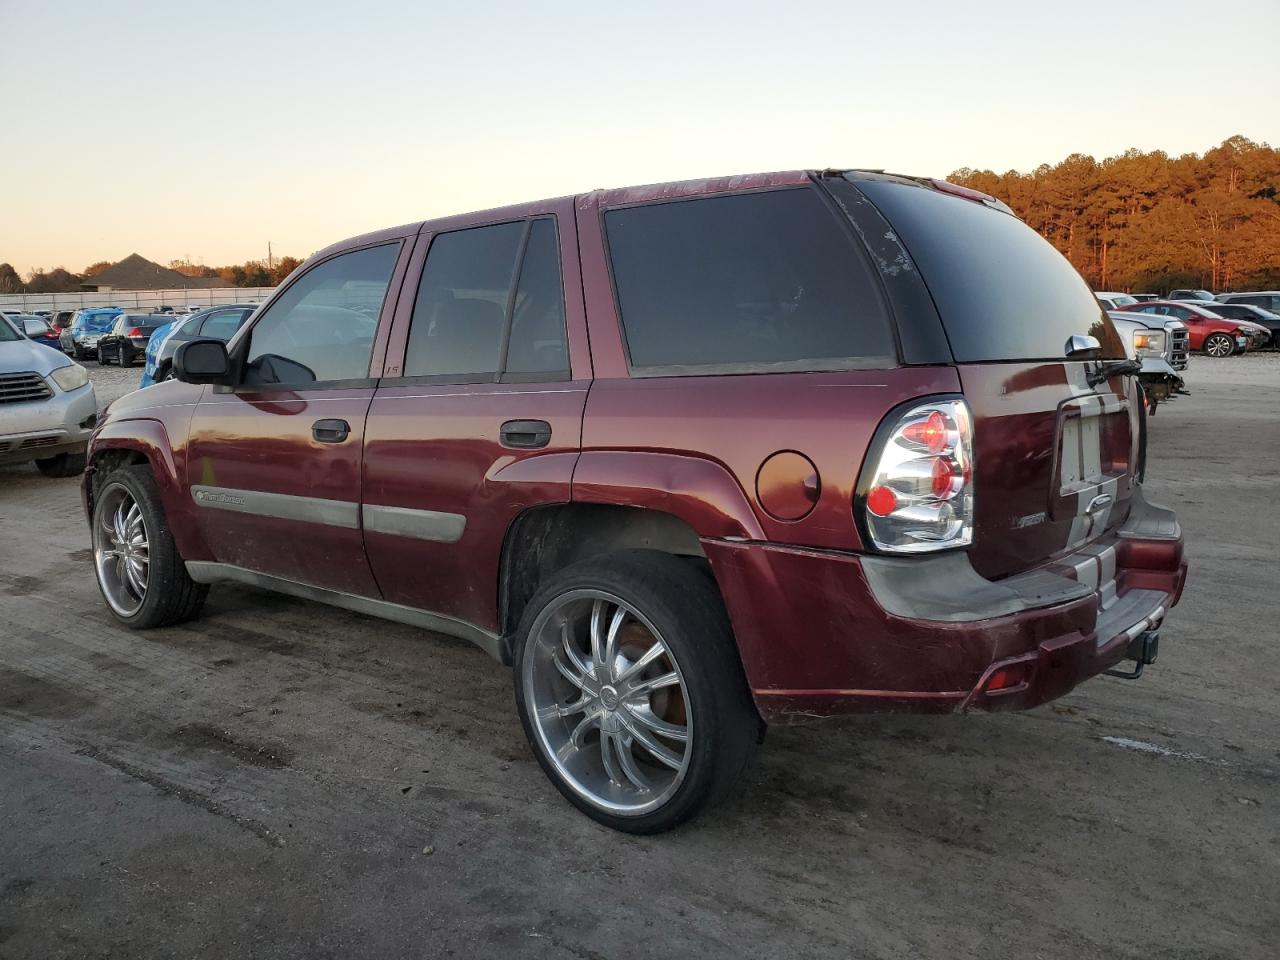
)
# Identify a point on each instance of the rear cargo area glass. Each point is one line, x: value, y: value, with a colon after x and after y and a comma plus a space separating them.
x: 1002, y: 290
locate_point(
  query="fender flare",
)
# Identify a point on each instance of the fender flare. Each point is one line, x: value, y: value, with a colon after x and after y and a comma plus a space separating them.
x: 148, y: 437
x: 699, y: 491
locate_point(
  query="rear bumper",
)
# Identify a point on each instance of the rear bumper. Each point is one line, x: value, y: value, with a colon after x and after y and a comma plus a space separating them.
x: 825, y: 633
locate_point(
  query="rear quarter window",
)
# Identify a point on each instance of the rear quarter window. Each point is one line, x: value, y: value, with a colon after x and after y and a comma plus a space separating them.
x: 1002, y: 290
x: 745, y: 282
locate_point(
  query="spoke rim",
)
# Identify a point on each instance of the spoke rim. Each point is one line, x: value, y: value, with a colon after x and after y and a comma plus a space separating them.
x: 121, y: 550
x: 607, y: 702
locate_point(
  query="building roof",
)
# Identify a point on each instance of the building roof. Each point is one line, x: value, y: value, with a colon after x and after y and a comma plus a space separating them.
x: 136, y: 272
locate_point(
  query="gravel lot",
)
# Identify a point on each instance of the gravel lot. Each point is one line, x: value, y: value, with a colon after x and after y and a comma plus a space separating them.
x: 281, y: 779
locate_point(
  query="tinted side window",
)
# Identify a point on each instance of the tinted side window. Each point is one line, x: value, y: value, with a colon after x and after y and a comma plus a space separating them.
x: 223, y: 324
x: 462, y: 301
x: 537, y: 322
x: 743, y: 281
x: 322, y: 327
x: 465, y: 305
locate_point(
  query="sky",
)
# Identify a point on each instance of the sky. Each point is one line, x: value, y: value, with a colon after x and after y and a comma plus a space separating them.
x: 203, y: 131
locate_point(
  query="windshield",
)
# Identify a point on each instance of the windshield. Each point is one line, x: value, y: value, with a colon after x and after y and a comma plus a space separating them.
x: 1002, y: 290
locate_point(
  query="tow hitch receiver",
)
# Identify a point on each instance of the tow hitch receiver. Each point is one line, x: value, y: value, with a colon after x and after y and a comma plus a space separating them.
x: 1143, y: 649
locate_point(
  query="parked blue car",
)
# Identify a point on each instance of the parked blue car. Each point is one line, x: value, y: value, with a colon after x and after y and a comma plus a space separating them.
x: 80, y: 339
x: 158, y: 337
x: 218, y: 323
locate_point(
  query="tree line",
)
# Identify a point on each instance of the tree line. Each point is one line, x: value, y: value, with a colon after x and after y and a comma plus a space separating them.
x: 252, y: 273
x: 1148, y: 222
x: 1139, y: 222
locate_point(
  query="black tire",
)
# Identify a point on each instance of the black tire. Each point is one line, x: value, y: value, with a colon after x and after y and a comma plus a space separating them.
x: 63, y: 465
x: 1222, y: 343
x: 164, y: 372
x: 171, y: 596
x: 78, y: 353
x: 683, y: 602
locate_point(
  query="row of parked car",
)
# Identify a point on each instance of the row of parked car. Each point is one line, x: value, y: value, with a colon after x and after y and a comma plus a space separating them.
x: 114, y: 335
x: 48, y: 407
x: 1217, y: 325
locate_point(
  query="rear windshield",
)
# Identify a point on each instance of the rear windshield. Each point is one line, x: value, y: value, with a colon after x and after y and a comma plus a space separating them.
x: 745, y: 282
x: 1003, y: 291
x: 97, y: 321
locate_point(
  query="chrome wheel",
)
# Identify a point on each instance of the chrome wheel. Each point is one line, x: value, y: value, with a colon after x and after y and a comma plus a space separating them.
x: 1219, y: 346
x: 607, y: 701
x: 121, y: 550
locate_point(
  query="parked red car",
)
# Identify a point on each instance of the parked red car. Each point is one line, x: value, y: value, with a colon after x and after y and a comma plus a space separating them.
x: 693, y: 459
x: 1208, y: 332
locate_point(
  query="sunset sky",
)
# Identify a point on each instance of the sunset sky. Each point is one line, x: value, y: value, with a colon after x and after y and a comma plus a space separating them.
x: 205, y: 130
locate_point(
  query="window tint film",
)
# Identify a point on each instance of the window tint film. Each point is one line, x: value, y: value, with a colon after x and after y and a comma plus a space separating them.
x: 1003, y: 291
x: 223, y: 324
x: 460, y: 312
x: 734, y: 282
x: 322, y: 327
x: 537, y: 323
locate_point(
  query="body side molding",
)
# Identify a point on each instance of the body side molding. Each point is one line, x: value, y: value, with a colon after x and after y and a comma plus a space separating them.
x: 409, y: 522
x: 281, y: 506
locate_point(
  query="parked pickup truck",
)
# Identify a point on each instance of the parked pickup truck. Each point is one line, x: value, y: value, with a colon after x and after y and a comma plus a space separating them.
x: 1162, y: 346
x: 694, y: 459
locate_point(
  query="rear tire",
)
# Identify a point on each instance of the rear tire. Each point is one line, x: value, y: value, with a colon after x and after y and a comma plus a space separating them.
x: 1219, y: 345
x: 644, y: 731
x: 63, y: 465
x: 77, y: 352
x: 141, y: 574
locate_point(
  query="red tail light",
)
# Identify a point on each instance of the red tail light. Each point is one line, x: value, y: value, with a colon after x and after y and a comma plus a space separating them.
x: 930, y: 433
x: 919, y: 491
x: 135, y: 332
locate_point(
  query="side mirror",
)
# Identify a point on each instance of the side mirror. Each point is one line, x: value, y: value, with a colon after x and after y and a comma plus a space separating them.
x: 1082, y: 347
x: 202, y: 361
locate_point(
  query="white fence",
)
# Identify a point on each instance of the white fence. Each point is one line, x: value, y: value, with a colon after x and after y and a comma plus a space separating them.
x: 140, y: 300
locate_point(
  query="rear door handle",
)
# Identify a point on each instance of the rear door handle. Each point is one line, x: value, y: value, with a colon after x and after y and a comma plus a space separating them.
x: 330, y: 431
x: 525, y: 434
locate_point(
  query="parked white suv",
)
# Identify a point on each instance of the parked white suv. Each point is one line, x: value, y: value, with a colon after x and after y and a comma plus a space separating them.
x: 47, y: 406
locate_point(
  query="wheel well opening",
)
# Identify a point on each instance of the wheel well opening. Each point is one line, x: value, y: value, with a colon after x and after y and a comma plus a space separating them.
x: 102, y: 466
x: 546, y: 539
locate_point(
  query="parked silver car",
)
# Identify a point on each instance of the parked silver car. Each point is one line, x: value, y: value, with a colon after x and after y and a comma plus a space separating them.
x: 47, y: 406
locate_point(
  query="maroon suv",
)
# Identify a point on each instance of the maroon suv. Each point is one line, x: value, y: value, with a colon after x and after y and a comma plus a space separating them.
x: 692, y: 458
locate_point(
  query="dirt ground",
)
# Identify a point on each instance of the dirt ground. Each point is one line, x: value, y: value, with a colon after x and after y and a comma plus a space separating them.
x: 281, y: 779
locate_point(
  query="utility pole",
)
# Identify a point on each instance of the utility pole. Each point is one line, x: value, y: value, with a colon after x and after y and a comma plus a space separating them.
x: 270, y: 263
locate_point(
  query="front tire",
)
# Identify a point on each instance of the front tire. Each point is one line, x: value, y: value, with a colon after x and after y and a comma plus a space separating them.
x: 139, y: 570
x: 631, y: 692
x: 1219, y: 345
x: 63, y: 465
